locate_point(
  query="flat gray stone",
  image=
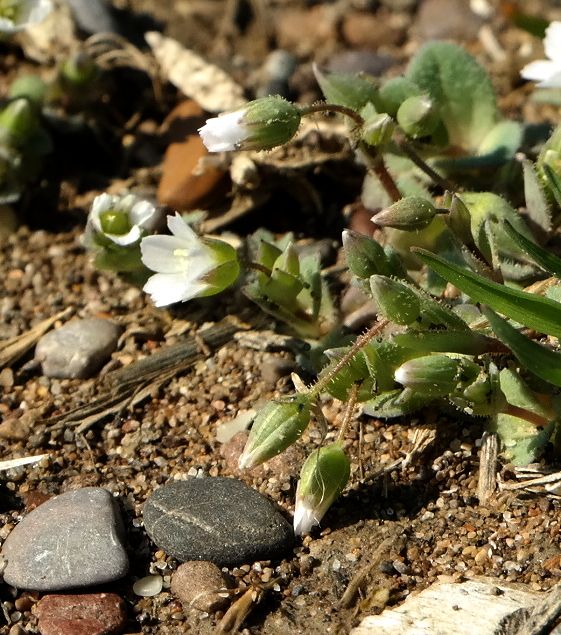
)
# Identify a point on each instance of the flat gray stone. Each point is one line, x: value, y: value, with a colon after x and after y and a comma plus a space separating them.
x: 78, y: 349
x: 73, y: 540
x: 217, y: 519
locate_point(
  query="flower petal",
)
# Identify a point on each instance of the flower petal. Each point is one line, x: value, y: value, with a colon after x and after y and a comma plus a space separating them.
x: 132, y: 236
x: 101, y: 203
x: 165, y: 288
x: 225, y: 132
x: 304, y: 519
x: 543, y: 71
x: 142, y: 213
x: 552, y: 42
x: 169, y: 254
x: 178, y: 227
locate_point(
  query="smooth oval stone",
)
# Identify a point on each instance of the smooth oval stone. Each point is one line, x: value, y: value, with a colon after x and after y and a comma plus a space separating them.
x: 78, y: 349
x: 217, y: 519
x: 70, y: 541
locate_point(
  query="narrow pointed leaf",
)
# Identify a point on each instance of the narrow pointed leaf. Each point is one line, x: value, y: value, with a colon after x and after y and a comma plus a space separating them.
x: 538, y: 313
x: 462, y: 342
x: 542, y: 361
x: 542, y: 257
x: 536, y: 201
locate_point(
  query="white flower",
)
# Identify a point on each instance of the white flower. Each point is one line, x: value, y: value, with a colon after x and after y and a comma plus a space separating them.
x: 187, y: 266
x: 16, y: 15
x: 224, y: 133
x: 260, y: 125
x: 121, y: 220
x: 547, y: 72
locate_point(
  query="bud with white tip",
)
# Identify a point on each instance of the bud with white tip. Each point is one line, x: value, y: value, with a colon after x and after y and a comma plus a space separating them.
x: 322, y: 478
x: 259, y: 125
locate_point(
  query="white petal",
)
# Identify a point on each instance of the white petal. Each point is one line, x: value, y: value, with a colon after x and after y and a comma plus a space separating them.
x: 38, y: 11
x: 159, y: 254
x: 304, y: 519
x: 101, y: 203
x: 542, y: 71
x: 132, y: 236
x: 552, y: 42
x: 142, y: 213
x: 178, y: 227
x: 165, y: 288
x: 225, y: 132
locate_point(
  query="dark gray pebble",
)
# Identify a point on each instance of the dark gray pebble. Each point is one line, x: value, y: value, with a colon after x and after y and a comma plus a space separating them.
x: 217, y: 519
x: 73, y: 540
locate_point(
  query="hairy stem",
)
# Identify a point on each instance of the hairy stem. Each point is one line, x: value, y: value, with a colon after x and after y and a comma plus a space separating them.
x: 360, y: 342
x: 342, y: 110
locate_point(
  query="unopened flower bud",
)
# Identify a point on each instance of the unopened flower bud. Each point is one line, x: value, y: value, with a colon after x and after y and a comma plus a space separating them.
x: 408, y: 214
x: 18, y: 121
x: 345, y: 89
x: 378, y: 130
x: 395, y: 91
x: 259, y: 125
x: 418, y: 116
x: 395, y: 301
x: 277, y: 426
x: 322, y: 478
x: 434, y: 375
x: 79, y: 71
x: 365, y: 257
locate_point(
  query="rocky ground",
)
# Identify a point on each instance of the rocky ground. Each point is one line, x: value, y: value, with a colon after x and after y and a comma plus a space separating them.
x: 411, y: 515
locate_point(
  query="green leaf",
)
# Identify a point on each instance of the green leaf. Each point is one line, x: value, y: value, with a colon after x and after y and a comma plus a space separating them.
x: 542, y: 257
x: 347, y: 90
x: 538, y: 313
x: 463, y: 342
x: 536, y: 201
x: 395, y: 403
x: 462, y: 89
x: 542, y: 361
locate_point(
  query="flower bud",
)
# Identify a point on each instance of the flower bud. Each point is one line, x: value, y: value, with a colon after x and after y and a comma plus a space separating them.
x: 365, y: 257
x: 79, y: 71
x: 434, y: 375
x: 378, y: 130
x: 277, y: 426
x: 18, y: 121
x: 31, y: 87
x: 408, y: 214
x: 259, y: 125
x: 395, y: 91
x: 322, y: 478
x: 418, y: 116
x: 395, y: 301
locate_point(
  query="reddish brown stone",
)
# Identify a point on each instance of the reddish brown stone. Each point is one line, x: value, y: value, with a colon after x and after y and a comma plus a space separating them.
x: 84, y: 614
x: 186, y: 181
x: 198, y: 584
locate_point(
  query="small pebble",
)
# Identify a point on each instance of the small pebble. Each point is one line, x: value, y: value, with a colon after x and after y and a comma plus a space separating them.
x: 87, y: 614
x: 78, y: 349
x: 72, y: 540
x: 148, y: 586
x: 217, y: 519
x: 197, y: 584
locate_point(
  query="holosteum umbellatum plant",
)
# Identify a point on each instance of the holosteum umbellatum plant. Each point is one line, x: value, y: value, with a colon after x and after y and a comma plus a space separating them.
x: 468, y: 298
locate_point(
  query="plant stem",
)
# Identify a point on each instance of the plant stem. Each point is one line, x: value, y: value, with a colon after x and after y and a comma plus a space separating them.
x: 422, y: 165
x: 342, y: 110
x: 351, y: 403
x: 360, y: 342
x: 375, y: 164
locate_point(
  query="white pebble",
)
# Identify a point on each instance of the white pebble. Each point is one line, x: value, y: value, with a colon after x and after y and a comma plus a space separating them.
x: 148, y: 586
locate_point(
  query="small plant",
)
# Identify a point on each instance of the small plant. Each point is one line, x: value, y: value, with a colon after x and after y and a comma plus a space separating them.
x: 418, y: 136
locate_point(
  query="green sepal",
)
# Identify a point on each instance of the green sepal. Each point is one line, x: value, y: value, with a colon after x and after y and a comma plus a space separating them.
x: 277, y: 426
x: 394, y: 300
